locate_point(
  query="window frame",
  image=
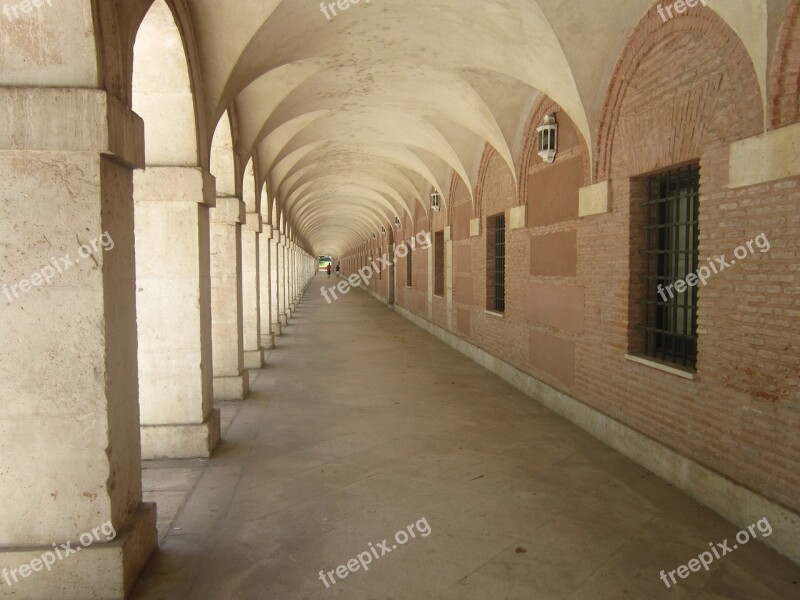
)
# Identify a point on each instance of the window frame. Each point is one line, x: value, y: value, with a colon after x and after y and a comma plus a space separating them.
x: 669, y: 251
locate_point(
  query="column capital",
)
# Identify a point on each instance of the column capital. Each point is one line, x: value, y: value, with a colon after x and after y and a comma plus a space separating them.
x: 266, y: 232
x: 70, y: 120
x: 252, y: 222
x: 174, y: 184
x: 228, y: 209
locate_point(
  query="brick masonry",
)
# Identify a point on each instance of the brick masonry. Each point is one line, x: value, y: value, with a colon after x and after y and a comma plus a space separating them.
x: 682, y: 91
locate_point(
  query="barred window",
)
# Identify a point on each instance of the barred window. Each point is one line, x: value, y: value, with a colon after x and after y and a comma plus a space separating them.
x: 409, y: 265
x: 670, y: 253
x: 496, y: 263
x: 438, y: 263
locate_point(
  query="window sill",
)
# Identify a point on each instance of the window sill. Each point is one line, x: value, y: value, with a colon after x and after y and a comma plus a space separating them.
x: 494, y: 313
x: 666, y: 368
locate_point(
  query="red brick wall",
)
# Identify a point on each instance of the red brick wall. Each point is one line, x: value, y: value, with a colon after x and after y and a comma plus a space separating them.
x: 682, y: 91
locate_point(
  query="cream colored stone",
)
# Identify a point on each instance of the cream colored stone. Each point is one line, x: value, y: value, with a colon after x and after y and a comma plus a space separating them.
x: 187, y: 440
x: 766, y: 157
x: 474, y: 227
x: 518, y: 217
x: 230, y: 380
x: 594, y: 199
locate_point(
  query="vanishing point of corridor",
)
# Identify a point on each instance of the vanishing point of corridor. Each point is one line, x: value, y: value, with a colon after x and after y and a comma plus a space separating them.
x: 570, y: 371
x: 361, y: 426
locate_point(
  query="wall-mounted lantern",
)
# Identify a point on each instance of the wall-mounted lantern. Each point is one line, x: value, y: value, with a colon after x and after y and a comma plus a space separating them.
x: 383, y: 229
x: 397, y: 222
x: 548, y: 138
x: 436, y: 201
x: 374, y: 236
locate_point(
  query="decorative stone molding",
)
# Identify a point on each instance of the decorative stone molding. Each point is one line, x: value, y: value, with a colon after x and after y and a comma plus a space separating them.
x: 767, y: 157
x: 594, y: 199
x: 474, y: 227
x: 252, y: 222
x: 518, y: 217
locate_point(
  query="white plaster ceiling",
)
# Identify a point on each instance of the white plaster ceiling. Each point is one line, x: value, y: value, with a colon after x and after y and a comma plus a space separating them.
x: 352, y: 121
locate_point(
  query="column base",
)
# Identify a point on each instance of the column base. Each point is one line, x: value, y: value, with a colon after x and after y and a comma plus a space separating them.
x: 181, y: 441
x: 276, y: 329
x: 231, y: 388
x: 101, y: 571
x: 254, y: 359
x: 284, y: 320
x: 267, y: 342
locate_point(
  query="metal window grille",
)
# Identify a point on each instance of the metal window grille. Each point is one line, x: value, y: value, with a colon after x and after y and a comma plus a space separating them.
x: 438, y: 263
x: 409, y: 265
x: 670, y: 254
x: 499, y: 248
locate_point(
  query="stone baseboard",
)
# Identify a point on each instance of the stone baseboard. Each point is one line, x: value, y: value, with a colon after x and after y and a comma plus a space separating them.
x: 227, y: 388
x: 253, y: 359
x: 100, y: 571
x: 186, y: 440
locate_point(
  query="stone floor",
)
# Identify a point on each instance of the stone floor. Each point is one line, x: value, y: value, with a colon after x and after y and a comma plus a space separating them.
x: 363, y: 425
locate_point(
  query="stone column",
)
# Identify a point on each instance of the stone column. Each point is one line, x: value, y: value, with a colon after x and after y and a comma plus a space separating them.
x: 295, y: 277
x: 251, y: 316
x: 70, y: 454
x: 265, y: 289
x: 283, y: 294
x: 173, y: 305
x: 287, y: 263
x: 275, y: 281
x: 230, y: 378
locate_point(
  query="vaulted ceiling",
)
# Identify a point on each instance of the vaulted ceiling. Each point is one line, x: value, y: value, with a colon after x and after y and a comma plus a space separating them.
x: 352, y: 119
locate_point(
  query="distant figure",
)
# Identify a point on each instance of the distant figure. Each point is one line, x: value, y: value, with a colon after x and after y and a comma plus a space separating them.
x: 328, y: 269
x: 337, y: 268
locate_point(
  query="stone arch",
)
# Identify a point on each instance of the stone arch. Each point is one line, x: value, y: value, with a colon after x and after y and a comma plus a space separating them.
x: 785, y: 88
x: 162, y: 92
x: 696, y: 28
x: 224, y: 161
x: 250, y: 194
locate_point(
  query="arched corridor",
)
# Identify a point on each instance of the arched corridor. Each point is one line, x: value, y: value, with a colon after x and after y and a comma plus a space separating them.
x: 365, y: 424
x: 513, y: 283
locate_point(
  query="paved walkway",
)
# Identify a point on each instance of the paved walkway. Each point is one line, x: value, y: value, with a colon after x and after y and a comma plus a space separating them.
x: 363, y: 425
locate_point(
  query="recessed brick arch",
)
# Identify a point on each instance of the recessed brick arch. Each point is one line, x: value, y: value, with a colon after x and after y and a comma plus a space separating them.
x: 700, y: 28
x: 488, y: 153
x: 546, y: 106
x: 785, y: 88
x: 451, y: 196
x: 496, y: 189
